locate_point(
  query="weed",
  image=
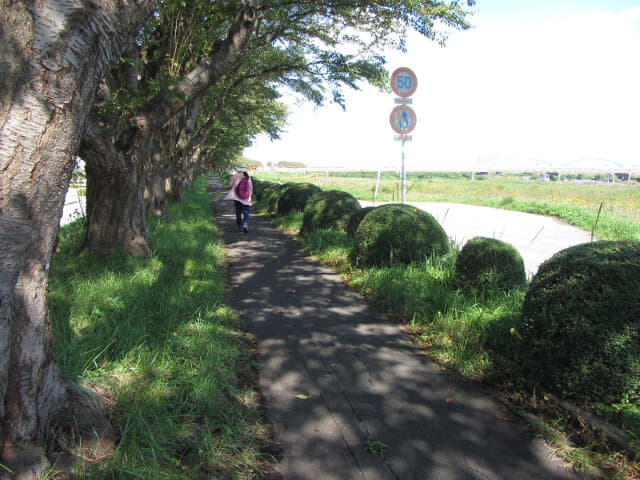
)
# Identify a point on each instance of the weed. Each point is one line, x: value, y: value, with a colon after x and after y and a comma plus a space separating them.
x: 375, y: 447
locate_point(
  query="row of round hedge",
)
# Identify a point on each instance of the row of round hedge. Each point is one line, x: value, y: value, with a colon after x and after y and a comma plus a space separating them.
x: 579, y: 330
x: 393, y: 233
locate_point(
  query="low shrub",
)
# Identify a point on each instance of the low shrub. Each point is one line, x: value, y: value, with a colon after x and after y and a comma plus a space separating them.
x: 398, y: 233
x: 294, y: 197
x: 580, y: 326
x: 270, y: 195
x: 329, y: 209
x: 258, y: 188
x: 487, y: 263
x: 225, y: 176
x: 356, y: 218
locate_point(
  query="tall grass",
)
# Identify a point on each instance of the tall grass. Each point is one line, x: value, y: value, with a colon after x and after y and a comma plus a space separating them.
x: 156, y: 337
x: 613, y: 208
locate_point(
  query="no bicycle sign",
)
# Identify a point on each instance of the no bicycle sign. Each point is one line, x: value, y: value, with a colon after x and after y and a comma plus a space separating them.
x: 403, y: 119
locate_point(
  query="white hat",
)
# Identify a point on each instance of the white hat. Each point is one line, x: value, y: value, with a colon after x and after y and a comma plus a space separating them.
x: 242, y: 168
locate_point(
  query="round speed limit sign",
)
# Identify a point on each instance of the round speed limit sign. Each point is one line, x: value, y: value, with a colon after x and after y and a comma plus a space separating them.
x: 404, y: 82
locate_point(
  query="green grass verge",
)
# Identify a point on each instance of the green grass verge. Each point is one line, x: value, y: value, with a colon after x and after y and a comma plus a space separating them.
x: 156, y: 337
x: 611, y: 211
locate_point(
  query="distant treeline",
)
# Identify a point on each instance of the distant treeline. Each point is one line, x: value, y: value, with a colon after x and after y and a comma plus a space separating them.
x: 286, y: 164
x: 553, y: 176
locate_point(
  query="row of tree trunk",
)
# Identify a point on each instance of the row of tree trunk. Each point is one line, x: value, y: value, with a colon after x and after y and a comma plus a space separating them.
x: 79, y: 77
x: 56, y: 55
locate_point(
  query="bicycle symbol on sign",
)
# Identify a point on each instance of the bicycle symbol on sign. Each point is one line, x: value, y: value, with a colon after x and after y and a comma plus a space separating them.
x: 403, y: 119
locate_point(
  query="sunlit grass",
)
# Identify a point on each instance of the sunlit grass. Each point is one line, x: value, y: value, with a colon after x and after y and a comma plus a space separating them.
x: 158, y: 339
x: 612, y: 208
x: 452, y: 326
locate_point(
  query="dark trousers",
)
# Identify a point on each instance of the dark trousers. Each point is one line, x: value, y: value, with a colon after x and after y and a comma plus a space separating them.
x: 242, y: 214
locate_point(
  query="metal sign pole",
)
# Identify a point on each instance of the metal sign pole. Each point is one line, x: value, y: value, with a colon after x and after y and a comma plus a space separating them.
x: 403, y: 119
x: 404, y: 176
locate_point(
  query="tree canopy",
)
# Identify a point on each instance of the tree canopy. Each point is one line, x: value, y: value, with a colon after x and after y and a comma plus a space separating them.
x: 149, y: 93
x: 200, y: 82
x: 316, y: 49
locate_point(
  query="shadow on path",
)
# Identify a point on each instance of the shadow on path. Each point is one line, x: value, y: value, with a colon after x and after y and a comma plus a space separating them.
x: 348, y: 395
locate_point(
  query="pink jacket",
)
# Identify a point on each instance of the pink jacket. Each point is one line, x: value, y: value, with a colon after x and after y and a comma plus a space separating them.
x: 235, y: 180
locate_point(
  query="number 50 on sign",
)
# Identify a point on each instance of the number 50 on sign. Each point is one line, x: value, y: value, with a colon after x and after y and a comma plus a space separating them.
x: 404, y: 82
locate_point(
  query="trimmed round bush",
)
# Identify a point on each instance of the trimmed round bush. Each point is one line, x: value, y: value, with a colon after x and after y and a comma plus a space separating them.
x: 259, y: 187
x: 271, y: 196
x: 398, y: 233
x: 225, y: 176
x: 487, y: 263
x: 262, y: 188
x: 356, y: 218
x: 329, y: 209
x: 580, y: 322
x: 295, y: 196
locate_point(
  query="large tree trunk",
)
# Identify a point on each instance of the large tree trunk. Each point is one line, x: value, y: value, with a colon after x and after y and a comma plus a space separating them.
x: 126, y: 226
x: 115, y: 192
x: 178, y: 178
x: 156, y: 200
x: 53, y: 56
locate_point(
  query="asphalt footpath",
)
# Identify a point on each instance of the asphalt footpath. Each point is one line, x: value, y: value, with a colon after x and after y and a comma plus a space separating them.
x: 350, y: 396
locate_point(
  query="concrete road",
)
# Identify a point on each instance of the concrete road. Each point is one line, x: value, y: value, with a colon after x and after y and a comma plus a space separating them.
x: 536, y: 237
x: 75, y: 206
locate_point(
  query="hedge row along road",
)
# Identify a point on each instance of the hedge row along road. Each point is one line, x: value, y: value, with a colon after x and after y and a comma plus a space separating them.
x: 536, y: 237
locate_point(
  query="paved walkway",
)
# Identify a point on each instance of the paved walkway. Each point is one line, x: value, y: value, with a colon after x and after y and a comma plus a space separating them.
x: 348, y: 395
x: 75, y: 206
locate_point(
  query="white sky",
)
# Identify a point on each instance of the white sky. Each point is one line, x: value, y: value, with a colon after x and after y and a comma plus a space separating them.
x: 533, y: 83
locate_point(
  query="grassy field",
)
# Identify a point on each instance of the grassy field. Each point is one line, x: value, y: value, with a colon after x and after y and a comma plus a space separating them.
x: 613, y: 209
x: 473, y: 333
x: 157, y: 340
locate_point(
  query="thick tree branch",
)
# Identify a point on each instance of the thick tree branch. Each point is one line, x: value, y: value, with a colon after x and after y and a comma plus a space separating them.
x: 210, y: 70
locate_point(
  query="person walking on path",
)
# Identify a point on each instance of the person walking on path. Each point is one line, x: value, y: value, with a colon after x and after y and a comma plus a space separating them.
x: 349, y: 394
x: 241, y: 192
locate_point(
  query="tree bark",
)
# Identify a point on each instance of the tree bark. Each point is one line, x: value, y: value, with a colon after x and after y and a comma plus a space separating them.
x: 54, y: 53
x: 115, y: 192
x: 125, y: 226
x: 181, y: 170
x: 192, y: 167
x: 156, y: 200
